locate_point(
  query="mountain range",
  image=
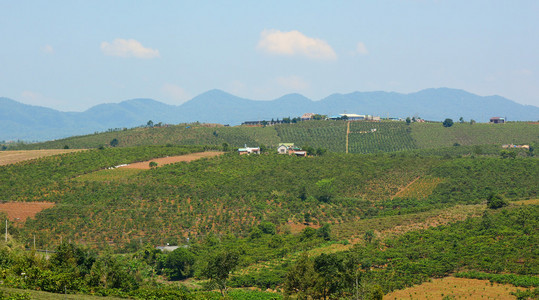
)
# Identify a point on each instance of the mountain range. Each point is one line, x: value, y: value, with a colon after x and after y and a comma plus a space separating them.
x: 34, y: 123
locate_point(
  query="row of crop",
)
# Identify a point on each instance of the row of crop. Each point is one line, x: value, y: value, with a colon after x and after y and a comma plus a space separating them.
x: 434, y: 135
x: 329, y: 135
x: 31, y: 180
x: 183, y: 134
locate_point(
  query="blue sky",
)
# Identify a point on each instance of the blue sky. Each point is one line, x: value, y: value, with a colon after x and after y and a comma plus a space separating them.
x: 71, y: 55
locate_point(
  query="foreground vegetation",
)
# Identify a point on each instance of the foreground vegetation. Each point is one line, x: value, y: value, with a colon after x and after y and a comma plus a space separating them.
x: 329, y: 226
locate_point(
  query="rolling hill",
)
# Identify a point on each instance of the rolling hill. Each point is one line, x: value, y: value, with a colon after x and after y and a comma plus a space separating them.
x: 31, y: 123
x: 363, y: 137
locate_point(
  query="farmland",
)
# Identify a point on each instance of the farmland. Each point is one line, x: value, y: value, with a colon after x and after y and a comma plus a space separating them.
x: 11, y: 157
x: 364, y: 137
x: 380, y: 218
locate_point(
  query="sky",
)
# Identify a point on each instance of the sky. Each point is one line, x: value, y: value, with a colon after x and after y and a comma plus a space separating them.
x: 72, y: 55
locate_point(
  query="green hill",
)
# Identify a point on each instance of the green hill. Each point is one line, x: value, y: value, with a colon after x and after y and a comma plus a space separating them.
x: 390, y: 219
x: 363, y: 137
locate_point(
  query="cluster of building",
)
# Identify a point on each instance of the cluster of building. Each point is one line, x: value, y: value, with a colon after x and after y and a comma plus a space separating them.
x: 284, y: 148
x: 355, y: 117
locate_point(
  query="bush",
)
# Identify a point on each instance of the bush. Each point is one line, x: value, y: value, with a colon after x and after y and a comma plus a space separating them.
x: 495, y: 201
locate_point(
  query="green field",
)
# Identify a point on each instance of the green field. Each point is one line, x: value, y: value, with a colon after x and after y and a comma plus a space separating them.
x: 332, y: 226
x: 364, y: 137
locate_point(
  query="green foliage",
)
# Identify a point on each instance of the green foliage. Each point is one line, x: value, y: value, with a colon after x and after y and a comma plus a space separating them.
x: 326, y: 189
x: 219, y: 266
x: 516, y: 280
x: 448, y: 123
x: 152, y: 164
x: 114, y: 142
x: 495, y: 201
x: 179, y: 264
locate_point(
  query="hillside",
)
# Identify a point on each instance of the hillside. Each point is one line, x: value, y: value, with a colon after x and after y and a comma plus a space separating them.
x: 363, y: 137
x: 385, y: 216
x: 24, y: 122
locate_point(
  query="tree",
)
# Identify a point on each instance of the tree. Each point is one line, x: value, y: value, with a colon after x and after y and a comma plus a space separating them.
x: 329, y: 269
x: 114, y: 142
x: 472, y: 121
x: 225, y: 147
x: 461, y: 120
x: 408, y: 121
x: 150, y: 123
x: 326, y: 190
x: 369, y: 236
x: 495, y: 201
x: 324, y: 232
x: 301, y: 278
x: 448, y: 122
x: 153, y: 164
x: 179, y: 264
x: 219, y: 267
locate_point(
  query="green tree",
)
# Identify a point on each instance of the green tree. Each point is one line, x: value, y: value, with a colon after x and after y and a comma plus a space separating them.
x: 324, y: 232
x: 153, y: 164
x: 179, y: 264
x: 219, y: 267
x: 225, y: 147
x: 326, y: 189
x: 448, y: 122
x: 408, y: 121
x: 461, y: 120
x: 369, y: 236
x: 150, y: 123
x: 329, y: 270
x: 495, y: 201
x: 114, y: 142
x: 301, y: 278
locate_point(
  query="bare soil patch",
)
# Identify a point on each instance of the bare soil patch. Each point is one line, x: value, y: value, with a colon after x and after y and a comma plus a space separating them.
x: 20, y: 211
x: 11, y: 157
x: 458, y: 288
x: 145, y: 165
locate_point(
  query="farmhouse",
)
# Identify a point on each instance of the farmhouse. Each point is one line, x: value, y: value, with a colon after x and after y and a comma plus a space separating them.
x: 290, y: 149
x: 307, y: 116
x: 355, y: 117
x: 283, y: 147
x: 497, y: 120
x: 249, y: 150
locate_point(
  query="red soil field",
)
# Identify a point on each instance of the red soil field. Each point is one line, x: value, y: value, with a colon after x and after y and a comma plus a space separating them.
x: 145, y: 165
x: 20, y: 211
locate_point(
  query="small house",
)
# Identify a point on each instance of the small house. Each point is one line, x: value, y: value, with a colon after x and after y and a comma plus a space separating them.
x: 249, y: 150
x: 497, y: 120
x: 307, y: 116
x: 283, y: 148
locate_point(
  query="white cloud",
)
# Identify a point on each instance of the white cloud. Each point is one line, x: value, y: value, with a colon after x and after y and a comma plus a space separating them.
x: 128, y: 48
x: 294, y: 43
x: 361, y: 49
x: 47, y: 49
x: 295, y: 83
x: 175, y: 93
